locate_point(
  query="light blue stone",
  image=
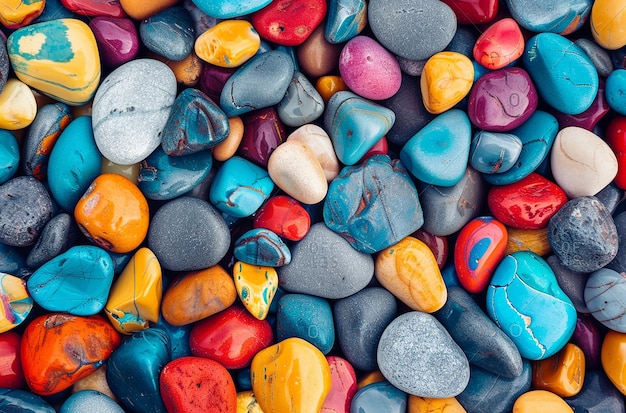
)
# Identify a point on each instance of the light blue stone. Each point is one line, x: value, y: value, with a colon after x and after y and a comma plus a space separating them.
x: 9, y: 155
x: 345, y: 19
x: 355, y: 125
x: 562, y: 72
x: 493, y: 152
x: 526, y: 302
x: 302, y: 103
x: 555, y: 16
x: 77, y: 282
x: 169, y: 33
x: 615, y: 91
x: 240, y: 187
x: 90, y: 401
x: 262, y: 247
x: 438, y: 154
x: 307, y: 317
x: 379, y: 397
x: 605, y: 296
x: 227, y: 9
x: 289, y: 51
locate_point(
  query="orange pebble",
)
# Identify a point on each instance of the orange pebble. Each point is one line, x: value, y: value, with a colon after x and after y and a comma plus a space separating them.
x: 563, y: 373
x: 540, y: 401
x: 227, y: 148
x: 186, y: 71
x: 372, y: 377
x: 113, y: 213
x: 613, y: 357
x: 535, y: 240
x: 327, y: 86
x: 140, y: 9
x: 428, y: 405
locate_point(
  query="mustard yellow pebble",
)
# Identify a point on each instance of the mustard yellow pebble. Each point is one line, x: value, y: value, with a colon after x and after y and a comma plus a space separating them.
x: 247, y: 403
x: 446, y: 79
x: 18, y: 106
x: 229, y: 43
x: 429, y: 405
x: 540, y: 401
x: 608, y: 23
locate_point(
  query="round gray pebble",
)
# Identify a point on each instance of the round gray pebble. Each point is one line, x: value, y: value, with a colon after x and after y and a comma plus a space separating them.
x: 57, y: 237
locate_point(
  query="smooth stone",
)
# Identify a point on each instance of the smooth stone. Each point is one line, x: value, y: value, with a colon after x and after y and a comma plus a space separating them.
x: 597, y: 395
x: 90, y: 399
x: 619, y: 262
x: 360, y: 320
x: 615, y: 137
x: 563, y: 74
x: 317, y: 56
x: 446, y: 79
x: 186, y: 71
x: 484, y: 344
x: 605, y: 297
x: 615, y: 89
x: 355, y: 124
x: 438, y: 154
x: 419, y: 22
x: 345, y: 20
x: 607, y: 18
x: 533, y: 240
x: 140, y: 10
x: 307, y: 317
x: 263, y: 133
x: 59, y: 58
x: 473, y: 12
x: 589, y: 118
x: 256, y: 287
x: 169, y: 33
x: 436, y: 243
x: 202, y: 21
x: 571, y: 282
x: 494, y: 152
x: 117, y: 38
x: 550, y: 16
x: 228, y: 147
x: 610, y: 196
x: 562, y: 374
x: 241, y: 93
x: 212, y: 80
x: 540, y: 399
x: 54, y: 9
x: 433, y: 405
x: 262, y: 247
x: 376, y: 397
x: 21, y: 400
x: 328, y: 85
x: 188, y: 234
x: 324, y: 264
x: 343, y: 385
x: 25, y: 209
x: 317, y: 141
x: 18, y: 106
x: 12, y: 261
x: 302, y: 103
x: 9, y: 156
x: 289, y: 23
x: 230, y: 43
x: 582, y: 235
x: 501, y: 44
x: 12, y: 376
x: 227, y: 9
x: 16, y: 14
x: 487, y: 392
x: 94, y: 8
x: 284, y: 216
x: 95, y: 381
x: 441, y: 370
x: 599, y: 56
x: 16, y: 302
x: 613, y: 349
x: 522, y: 287
x: 356, y: 206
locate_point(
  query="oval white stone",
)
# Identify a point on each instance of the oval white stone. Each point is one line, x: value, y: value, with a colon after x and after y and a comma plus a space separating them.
x: 318, y: 141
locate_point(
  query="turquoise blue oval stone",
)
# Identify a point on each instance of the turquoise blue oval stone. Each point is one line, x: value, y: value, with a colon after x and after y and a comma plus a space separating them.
x: 74, y: 163
x: 76, y: 282
x: 379, y: 397
x: 9, y: 155
x: 345, y: 20
x: 227, y: 9
x: 615, y: 91
x: 307, y: 317
x: 526, y: 302
x: 18, y: 401
x: 493, y: 152
x: 90, y: 400
x: 262, y: 247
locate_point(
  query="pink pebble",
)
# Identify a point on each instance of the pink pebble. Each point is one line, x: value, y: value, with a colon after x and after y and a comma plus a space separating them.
x: 369, y: 69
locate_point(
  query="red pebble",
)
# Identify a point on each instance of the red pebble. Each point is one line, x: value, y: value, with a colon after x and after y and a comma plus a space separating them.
x: 478, y: 250
x: 526, y: 204
x: 93, y: 8
x: 343, y: 386
x: 473, y: 11
x: 438, y: 245
x: 284, y: 216
x: 380, y: 148
x: 616, y: 138
x: 289, y: 22
x: 11, y: 374
x: 197, y: 385
x: 501, y: 44
x: 263, y: 131
x: 231, y: 337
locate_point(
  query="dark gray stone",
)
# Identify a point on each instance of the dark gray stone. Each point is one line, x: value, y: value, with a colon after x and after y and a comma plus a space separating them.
x: 4, y: 62
x: 463, y: 41
x: 610, y: 196
x: 619, y: 262
x: 600, y: 58
x: 571, y: 282
x: 598, y: 395
x: 57, y: 237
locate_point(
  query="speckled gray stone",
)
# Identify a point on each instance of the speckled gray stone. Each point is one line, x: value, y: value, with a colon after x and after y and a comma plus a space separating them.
x: 4, y: 62
x: 130, y: 109
x: 417, y: 355
x: 411, y: 67
x: 324, y: 264
x: 415, y: 29
x: 599, y: 56
x: 57, y: 237
x: 188, y: 234
x: 571, y: 282
x: 360, y: 321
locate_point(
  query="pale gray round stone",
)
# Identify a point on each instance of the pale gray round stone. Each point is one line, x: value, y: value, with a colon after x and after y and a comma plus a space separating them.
x: 417, y: 355
x: 130, y: 110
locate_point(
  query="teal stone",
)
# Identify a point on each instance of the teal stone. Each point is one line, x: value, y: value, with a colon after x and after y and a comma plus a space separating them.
x: 240, y: 187
x: 178, y: 337
x: 195, y: 124
x: 76, y: 282
x: 307, y: 317
x: 345, y: 20
x: 54, y: 10
x: 11, y: 260
x: 9, y: 155
x: 262, y: 247
x: 379, y: 397
x: 21, y: 401
x: 163, y: 177
x: 288, y: 50
x: 615, y: 91
x: 133, y: 370
x: 449, y: 275
x: 90, y: 400
x: 227, y: 9
x: 302, y: 103
x: 537, y: 135
x: 169, y: 33
x: 563, y: 74
x: 555, y: 16
x: 493, y: 152
x: 438, y: 154
x: 74, y: 163
x: 355, y: 125
x: 526, y: 302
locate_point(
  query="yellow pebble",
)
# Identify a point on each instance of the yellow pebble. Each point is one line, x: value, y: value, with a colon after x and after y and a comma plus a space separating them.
x: 18, y: 13
x: 613, y: 356
x: 18, y: 106
x: 247, y: 403
x: 540, y: 401
x: 427, y: 405
x: 229, y: 43
x: 327, y: 86
x: 371, y: 377
x: 228, y: 147
x: 446, y: 79
x: 535, y: 240
x: 256, y: 286
x: 608, y: 23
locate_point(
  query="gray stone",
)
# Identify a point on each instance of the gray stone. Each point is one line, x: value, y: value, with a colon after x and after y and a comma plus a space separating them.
x: 188, y: 234
x: 417, y: 355
x: 57, y: 237
x: 605, y: 296
x: 130, y: 110
x: 619, y: 262
x: 599, y: 56
x: 610, y: 196
x: 571, y: 282
x: 302, y: 103
x: 325, y: 265
x: 4, y: 63
x: 598, y: 395
x: 360, y: 321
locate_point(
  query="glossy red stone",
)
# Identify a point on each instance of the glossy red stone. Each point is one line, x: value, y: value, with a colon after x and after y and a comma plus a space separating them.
x: 438, y: 245
x: 616, y: 138
x: 343, y: 386
x: 526, y: 204
x: 588, y: 335
x: 380, y: 148
x: 197, y: 385
x: 589, y: 118
x: 473, y: 11
x: 284, y: 216
x: 289, y: 22
x: 478, y: 250
x: 11, y: 374
x: 212, y: 80
x: 231, y: 337
x: 92, y: 8
x: 117, y: 38
x: 500, y: 45
x: 263, y: 131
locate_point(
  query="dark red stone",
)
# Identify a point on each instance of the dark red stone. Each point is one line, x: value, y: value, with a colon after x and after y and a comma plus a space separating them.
x: 289, y: 22
x: 263, y: 131
x: 285, y: 216
x: 117, y: 39
x: 438, y: 244
x: 11, y: 374
x: 473, y: 11
x: 343, y: 386
x: 589, y: 118
x: 212, y: 80
x: 92, y: 8
x: 588, y: 335
x: 616, y: 138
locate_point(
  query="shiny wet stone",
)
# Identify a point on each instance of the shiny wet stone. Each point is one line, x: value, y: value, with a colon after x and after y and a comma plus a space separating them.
x: 262, y: 247
x: 307, y: 317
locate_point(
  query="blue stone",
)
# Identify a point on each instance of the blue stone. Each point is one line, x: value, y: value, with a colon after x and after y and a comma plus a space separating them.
x: 379, y: 397
x: 133, y: 370
x: 355, y: 124
x: 449, y: 275
x: 301, y: 104
x: 90, y: 400
x: 373, y: 205
x: 307, y: 317
x: 57, y: 237
x: 178, y: 337
x: 21, y: 401
x: 243, y: 379
x: 169, y: 33
x: 9, y: 155
x: 479, y: 70
x: 616, y: 91
x: 262, y: 247
x: 562, y: 72
x: 493, y: 152
x: 77, y: 281
x: 526, y: 302
x: 226, y: 9
x: 605, y: 296
x: 240, y: 187
x: 120, y: 260
x: 289, y: 51
x: 438, y: 154
x: 537, y: 135
x: 463, y: 42
x: 74, y: 163
x: 555, y: 16
x: 11, y: 260
x: 345, y: 19
x: 195, y: 123
x: 163, y: 177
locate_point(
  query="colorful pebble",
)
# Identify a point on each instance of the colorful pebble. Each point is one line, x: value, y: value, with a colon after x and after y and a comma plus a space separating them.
x: 563, y: 374
x: 289, y: 22
x: 229, y: 43
x: 302, y: 103
x: 262, y: 247
x: 263, y: 132
x: 606, y: 22
x: 9, y: 156
x: 256, y: 287
x: 307, y: 317
x: 168, y: 33
x: 317, y: 141
x: 493, y: 152
x: 117, y: 39
x: 11, y: 373
x: 345, y: 20
x: 343, y: 386
x: 15, y: 14
x: 379, y: 396
x: 18, y: 107
x: 540, y: 399
x: 284, y: 216
x: 500, y: 45
x: 446, y: 79
x: 16, y: 302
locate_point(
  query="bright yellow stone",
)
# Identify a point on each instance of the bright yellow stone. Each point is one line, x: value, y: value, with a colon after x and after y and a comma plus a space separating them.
x: 427, y: 405
x: 229, y: 43
x: 290, y: 376
x: 18, y: 106
x: 247, y: 403
x: 18, y: 13
x: 135, y: 298
x: 256, y: 286
x: 540, y: 401
x: 409, y: 271
x: 613, y: 356
x: 608, y: 23
x: 446, y: 79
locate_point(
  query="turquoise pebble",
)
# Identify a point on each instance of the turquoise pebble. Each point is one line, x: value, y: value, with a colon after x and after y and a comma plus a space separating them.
x: 9, y: 155
x: 178, y: 337
x: 562, y: 72
x: 555, y: 16
x: 169, y: 33
x: 11, y: 260
x: 307, y: 317
x: 526, y: 302
x: 615, y: 91
x: 77, y: 281
x: 379, y: 397
x: 90, y: 401
x: 227, y: 9
x: 74, y: 163
x: 345, y: 20
x: 302, y: 103
x: 262, y: 247
x: 18, y: 401
x: 240, y: 187
x: 479, y: 70
x: 493, y: 152
x: 438, y: 154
